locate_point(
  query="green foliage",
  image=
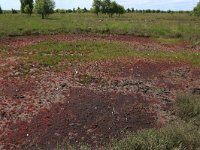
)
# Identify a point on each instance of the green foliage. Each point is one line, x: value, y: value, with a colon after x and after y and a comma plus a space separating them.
x: 120, y: 10
x: 196, y: 10
x: 61, y: 11
x: 113, y: 8
x: 108, y: 7
x: 132, y: 10
x: 44, y: 7
x: 1, y: 11
x: 27, y: 10
x: 105, y: 6
x: 78, y: 10
x: 116, y: 8
x: 27, y: 6
x: 96, y: 6
x: 178, y: 135
x: 13, y: 11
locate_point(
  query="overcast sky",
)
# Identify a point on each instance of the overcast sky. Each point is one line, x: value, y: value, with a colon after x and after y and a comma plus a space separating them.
x: 137, y: 4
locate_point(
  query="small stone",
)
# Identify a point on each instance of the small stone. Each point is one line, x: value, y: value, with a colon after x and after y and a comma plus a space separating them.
x: 70, y: 133
x: 90, y: 131
x: 20, y: 96
x: 57, y: 134
x: 93, y: 137
x: 63, y: 85
x: 82, y: 138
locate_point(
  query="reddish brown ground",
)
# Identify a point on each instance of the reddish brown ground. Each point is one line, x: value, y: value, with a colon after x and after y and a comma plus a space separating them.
x: 91, y: 103
x: 137, y: 42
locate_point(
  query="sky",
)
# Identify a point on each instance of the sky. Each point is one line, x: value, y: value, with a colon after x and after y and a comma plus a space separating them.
x: 137, y: 4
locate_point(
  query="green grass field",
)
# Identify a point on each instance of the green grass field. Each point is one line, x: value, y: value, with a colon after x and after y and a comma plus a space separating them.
x: 155, y: 25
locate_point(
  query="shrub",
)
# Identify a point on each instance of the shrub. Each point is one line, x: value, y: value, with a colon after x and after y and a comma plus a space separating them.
x: 1, y: 10
x: 188, y: 108
x: 196, y: 10
x: 13, y: 11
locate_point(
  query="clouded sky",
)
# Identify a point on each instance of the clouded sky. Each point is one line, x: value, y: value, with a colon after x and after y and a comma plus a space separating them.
x: 137, y: 4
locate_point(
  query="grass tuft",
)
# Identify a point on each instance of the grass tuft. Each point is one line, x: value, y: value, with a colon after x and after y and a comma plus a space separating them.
x: 179, y: 135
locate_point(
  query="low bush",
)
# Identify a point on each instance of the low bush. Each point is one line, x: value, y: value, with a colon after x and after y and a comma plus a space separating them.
x: 182, y: 134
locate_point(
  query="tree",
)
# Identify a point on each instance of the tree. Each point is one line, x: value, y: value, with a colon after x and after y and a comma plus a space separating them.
x: 27, y: 6
x: 128, y: 10
x: 44, y: 7
x: 78, y: 10
x: 96, y: 6
x: 74, y: 10
x: 69, y: 11
x: 116, y: 8
x: 28, y: 10
x: 196, y: 10
x: 113, y: 8
x: 105, y: 6
x: 13, y: 11
x: 85, y: 10
x: 1, y: 10
x: 108, y: 7
x: 120, y: 10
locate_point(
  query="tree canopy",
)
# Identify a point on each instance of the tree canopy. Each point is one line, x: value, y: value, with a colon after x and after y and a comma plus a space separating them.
x: 196, y: 10
x: 108, y: 7
x: 44, y: 7
x: 27, y: 6
x: 96, y: 6
x: 1, y: 10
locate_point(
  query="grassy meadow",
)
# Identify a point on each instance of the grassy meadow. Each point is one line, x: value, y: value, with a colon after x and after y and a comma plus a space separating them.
x: 164, y: 25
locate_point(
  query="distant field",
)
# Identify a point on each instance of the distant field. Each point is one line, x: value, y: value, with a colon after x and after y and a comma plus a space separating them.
x: 154, y: 25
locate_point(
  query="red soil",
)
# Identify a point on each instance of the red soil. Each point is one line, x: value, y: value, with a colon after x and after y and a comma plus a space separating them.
x: 137, y: 42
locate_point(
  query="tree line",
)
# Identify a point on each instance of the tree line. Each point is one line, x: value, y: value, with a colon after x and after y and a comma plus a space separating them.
x: 132, y: 10
x: 43, y: 7
x: 46, y: 7
x: 74, y: 10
